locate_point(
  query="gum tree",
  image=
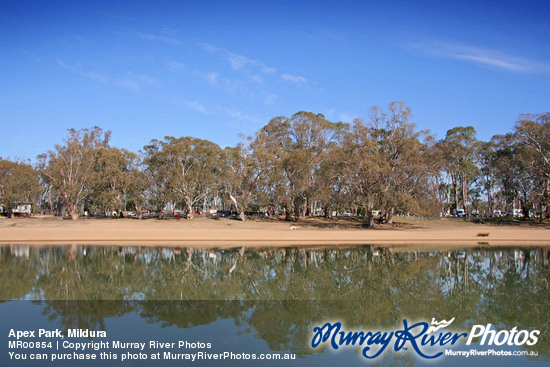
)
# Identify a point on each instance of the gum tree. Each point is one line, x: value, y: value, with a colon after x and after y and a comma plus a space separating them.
x: 294, y: 149
x: 114, y: 179
x: 532, y: 132
x: 18, y: 182
x: 69, y: 167
x: 183, y: 169
x: 459, y: 151
x: 241, y: 175
x: 387, y: 163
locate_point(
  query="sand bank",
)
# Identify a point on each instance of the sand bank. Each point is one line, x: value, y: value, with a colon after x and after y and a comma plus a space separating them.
x: 220, y: 233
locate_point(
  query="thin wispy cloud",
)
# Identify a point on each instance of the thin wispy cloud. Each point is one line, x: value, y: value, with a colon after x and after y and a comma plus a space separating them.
x: 31, y: 55
x: 502, y: 63
x: 237, y: 61
x: 232, y: 112
x: 481, y: 56
x: 212, y: 78
x: 157, y: 38
x: 270, y: 99
x: 126, y: 83
x: 175, y: 65
x: 119, y: 17
x: 319, y: 33
x: 196, y: 105
x: 146, y: 79
x: 136, y: 81
x: 89, y: 74
x: 346, y: 117
x: 256, y: 78
x: 168, y: 30
x: 333, y: 114
x: 242, y: 116
x: 248, y: 77
x: 80, y: 39
x: 297, y: 79
x: 259, y: 76
x: 129, y: 81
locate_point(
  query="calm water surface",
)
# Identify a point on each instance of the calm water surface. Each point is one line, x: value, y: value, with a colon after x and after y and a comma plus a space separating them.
x: 269, y: 300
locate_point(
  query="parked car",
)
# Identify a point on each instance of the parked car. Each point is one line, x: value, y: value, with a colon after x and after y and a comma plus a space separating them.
x: 460, y: 213
x: 515, y: 213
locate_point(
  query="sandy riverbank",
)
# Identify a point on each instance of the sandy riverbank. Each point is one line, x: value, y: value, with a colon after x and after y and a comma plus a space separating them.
x: 204, y: 232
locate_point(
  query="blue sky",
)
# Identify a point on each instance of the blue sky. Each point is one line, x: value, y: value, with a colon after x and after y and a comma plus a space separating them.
x: 217, y: 69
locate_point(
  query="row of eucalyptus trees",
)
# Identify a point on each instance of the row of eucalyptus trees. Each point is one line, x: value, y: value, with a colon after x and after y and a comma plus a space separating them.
x: 301, y: 165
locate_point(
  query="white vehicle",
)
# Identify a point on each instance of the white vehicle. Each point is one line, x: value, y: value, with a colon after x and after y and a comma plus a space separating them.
x: 514, y: 213
x: 22, y: 209
x: 461, y: 213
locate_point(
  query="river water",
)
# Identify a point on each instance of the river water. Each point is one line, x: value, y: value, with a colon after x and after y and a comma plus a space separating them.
x: 269, y: 300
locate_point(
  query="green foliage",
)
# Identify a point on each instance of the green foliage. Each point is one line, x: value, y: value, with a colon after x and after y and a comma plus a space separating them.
x: 298, y: 165
x: 69, y: 168
x: 459, y: 149
x: 280, y: 294
x: 19, y: 182
x: 183, y: 170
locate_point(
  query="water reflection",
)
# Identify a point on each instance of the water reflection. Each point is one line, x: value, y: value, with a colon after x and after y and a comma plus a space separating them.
x: 361, y: 273
x: 278, y: 294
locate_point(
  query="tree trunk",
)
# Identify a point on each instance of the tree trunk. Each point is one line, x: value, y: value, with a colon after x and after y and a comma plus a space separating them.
x: 137, y: 210
x: 73, y: 211
x: 287, y: 212
x: 239, y: 208
x: 491, y: 206
x: 327, y: 212
x: 455, y: 186
x: 390, y: 215
x: 297, y: 208
x: 189, y: 209
x: 464, y: 192
x: 369, y: 220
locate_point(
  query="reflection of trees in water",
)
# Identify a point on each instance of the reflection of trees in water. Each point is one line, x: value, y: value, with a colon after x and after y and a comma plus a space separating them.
x: 367, y: 274
x: 17, y: 272
x: 521, y: 297
x: 363, y: 273
x: 86, y: 314
x: 364, y: 287
x: 187, y: 314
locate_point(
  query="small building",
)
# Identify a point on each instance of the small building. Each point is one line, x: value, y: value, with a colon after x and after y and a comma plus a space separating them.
x: 22, y: 209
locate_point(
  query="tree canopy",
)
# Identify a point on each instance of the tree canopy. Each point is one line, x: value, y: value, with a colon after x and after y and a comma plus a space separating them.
x: 302, y: 165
